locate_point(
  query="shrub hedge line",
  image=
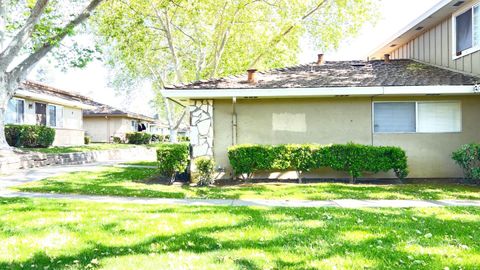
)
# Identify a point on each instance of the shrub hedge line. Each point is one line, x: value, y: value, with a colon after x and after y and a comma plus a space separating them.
x: 354, y: 159
x: 30, y: 136
x: 138, y: 137
x: 173, y: 158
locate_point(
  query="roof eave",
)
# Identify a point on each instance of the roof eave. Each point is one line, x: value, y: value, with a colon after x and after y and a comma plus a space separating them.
x: 52, y: 99
x: 320, y: 92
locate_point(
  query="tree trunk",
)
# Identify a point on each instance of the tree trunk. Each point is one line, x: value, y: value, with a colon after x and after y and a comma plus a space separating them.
x: 6, y: 93
x: 172, y: 130
x: 352, y: 179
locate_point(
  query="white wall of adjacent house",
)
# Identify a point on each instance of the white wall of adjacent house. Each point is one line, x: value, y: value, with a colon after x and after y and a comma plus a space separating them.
x: 67, y: 121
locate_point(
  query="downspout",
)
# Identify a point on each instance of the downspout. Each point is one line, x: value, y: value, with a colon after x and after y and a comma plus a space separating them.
x: 108, y: 128
x: 234, y: 121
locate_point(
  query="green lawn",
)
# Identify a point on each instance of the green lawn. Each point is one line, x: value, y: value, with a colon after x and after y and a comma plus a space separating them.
x: 132, y: 182
x: 52, y: 234
x: 142, y: 163
x: 81, y: 148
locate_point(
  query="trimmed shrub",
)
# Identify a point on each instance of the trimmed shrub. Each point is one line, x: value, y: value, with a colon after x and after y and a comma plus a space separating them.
x: 468, y: 158
x: 117, y: 140
x: 30, y: 136
x: 206, y: 168
x: 87, y: 139
x: 354, y: 159
x: 138, y: 138
x: 183, y: 139
x: 173, y: 159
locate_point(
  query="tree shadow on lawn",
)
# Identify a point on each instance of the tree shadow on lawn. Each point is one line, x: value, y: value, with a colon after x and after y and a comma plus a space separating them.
x: 304, y: 244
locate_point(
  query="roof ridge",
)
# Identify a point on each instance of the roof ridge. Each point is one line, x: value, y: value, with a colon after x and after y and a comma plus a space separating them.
x: 55, y: 89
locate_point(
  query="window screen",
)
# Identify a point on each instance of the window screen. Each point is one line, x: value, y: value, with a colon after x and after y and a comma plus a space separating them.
x: 463, y: 25
x: 476, y: 26
x: 52, y: 116
x: 15, y: 111
x: 439, y: 117
x: 394, y: 117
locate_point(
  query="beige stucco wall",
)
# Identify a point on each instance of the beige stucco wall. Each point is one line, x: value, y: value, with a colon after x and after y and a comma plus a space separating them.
x: 101, y: 129
x: 340, y: 120
x: 434, y: 46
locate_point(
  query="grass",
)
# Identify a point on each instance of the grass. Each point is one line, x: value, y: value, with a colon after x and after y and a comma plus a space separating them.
x: 142, y: 163
x: 132, y: 182
x: 81, y: 148
x: 52, y: 234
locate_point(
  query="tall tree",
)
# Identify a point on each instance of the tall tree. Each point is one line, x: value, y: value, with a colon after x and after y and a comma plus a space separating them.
x: 29, y: 30
x: 176, y: 41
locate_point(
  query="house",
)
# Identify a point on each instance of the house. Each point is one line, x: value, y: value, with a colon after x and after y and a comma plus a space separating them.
x: 419, y: 91
x: 160, y: 127
x: 104, y: 122
x: 39, y: 104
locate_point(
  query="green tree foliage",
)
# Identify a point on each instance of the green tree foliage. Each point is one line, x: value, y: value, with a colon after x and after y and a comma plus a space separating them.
x: 185, y: 40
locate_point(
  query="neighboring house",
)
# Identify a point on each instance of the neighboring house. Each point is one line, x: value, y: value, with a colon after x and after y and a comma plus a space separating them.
x: 426, y: 101
x: 39, y: 104
x: 105, y: 122
x: 161, y: 128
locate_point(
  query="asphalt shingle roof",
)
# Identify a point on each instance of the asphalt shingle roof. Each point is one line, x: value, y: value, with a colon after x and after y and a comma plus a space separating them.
x: 100, y: 108
x: 342, y: 74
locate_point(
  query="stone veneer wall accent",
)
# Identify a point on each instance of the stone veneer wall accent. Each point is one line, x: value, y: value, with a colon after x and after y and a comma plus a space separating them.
x: 201, y: 127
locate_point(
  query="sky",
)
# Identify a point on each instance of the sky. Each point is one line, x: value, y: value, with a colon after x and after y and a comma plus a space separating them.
x: 92, y: 81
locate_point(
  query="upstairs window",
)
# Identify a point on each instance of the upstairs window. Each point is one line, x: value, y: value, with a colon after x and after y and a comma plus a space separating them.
x: 466, y: 26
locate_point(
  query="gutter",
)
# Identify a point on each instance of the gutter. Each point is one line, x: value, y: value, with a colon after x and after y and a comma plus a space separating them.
x: 320, y: 92
x: 51, y: 99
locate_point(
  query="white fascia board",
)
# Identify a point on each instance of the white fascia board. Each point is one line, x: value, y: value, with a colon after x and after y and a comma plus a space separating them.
x: 52, y: 99
x: 277, y: 92
x: 321, y: 92
x: 430, y: 90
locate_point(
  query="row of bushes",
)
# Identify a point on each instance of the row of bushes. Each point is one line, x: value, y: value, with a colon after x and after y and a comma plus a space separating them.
x: 146, y: 138
x: 30, y: 136
x: 352, y: 158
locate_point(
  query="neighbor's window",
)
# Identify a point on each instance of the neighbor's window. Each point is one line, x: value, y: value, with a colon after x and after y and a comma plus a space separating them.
x: 467, y: 31
x: 55, y: 116
x: 15, y: 111
x: 408, y: 117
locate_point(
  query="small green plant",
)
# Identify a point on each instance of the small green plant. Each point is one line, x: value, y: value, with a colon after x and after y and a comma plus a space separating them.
x: 206, y: 169
x: 87, y: 139
x: 172, y: 159
x: 468, y: 158
x: 30, y: 136
x: 138, y: 138
x: 117, y: 140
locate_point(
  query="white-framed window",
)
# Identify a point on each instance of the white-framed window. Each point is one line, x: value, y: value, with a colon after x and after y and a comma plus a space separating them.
x: 417, y: 116
x: 466, y: 31
x: 54, y: 116
x: 134, y: 125
x: 15, y: 111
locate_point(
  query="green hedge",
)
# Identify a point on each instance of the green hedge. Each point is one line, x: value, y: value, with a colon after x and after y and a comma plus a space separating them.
x: 173, y: 158
x: 30, y: 136
x: 354, y: 159
x: 138, y: 138
x: 468, y: 157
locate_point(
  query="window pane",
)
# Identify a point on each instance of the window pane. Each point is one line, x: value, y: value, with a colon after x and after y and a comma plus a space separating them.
x: 59, y: 116
x: 394, y: 117
x: 476, y: 26
x: 464, y: 31
x: 439, y: 117
x: 52, y: 116
x: 11, y: 115
x: 20, y: 111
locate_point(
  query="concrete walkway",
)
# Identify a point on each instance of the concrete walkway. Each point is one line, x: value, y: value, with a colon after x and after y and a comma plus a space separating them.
x: 30, y: 175
x: 230, y: 202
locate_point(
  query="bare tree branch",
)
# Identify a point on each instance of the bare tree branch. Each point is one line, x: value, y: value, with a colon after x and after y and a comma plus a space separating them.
x: 22, y: 69
x: 19, y: 40
x: 279, y: 38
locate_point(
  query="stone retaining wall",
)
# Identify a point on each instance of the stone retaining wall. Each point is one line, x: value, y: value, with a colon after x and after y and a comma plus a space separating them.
x: 32, y: 160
